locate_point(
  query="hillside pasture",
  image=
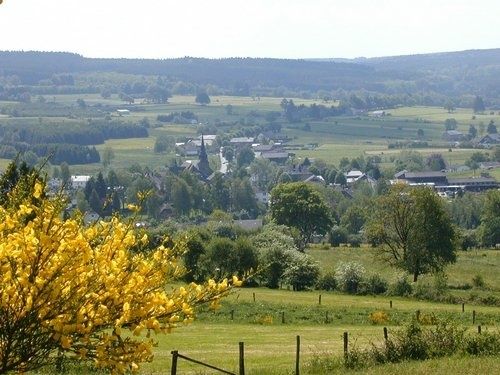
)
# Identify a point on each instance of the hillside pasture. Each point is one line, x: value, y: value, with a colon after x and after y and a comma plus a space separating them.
x: 469, y: 264
x: 214, y: 338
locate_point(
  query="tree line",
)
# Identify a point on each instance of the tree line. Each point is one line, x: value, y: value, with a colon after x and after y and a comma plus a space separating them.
x: 450, y: 75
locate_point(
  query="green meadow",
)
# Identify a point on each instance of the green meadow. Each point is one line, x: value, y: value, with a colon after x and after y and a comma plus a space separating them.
x: 336, y: 137
x: 214, y: 337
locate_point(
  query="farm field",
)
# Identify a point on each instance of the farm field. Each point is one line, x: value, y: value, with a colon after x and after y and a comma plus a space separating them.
x: 469, y: 263
x: 255, y: 316
x: 214, y: 339
x: 437, y: 114
x: 337, y: 137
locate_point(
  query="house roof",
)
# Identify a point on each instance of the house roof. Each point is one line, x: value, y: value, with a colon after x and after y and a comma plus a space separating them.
x: 241, y: 140
x: 354, y: 173
x: 468, y: 181
x: 274, y: 155
x: 453, y: 132
x: 80, y: 178
x: 208, y: 137
x: 314, y: 178
x: 493, y: 137
x: 263, y: 148
x: 428, y: 174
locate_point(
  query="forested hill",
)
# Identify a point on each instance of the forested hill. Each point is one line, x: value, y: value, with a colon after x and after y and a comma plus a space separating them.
x: 455, y: 74
x: 435, y: 61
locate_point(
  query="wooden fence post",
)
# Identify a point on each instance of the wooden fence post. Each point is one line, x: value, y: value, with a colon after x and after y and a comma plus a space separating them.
x: 346, y: 344
x: 254, y: 296
x: 297, y: 357
x: 463, y: 307
x: 390, y: 303
x: 282, y: 317
x: 473, y: 316
x: 319, y: 300
x: 479, y: 328
x: 175, y: 355
x: 417, y: 314
x: 386, y: 335
x: 242, y: 358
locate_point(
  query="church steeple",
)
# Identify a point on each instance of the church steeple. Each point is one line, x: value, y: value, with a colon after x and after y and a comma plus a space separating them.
x: 203, y: 157
x: 203, y: 165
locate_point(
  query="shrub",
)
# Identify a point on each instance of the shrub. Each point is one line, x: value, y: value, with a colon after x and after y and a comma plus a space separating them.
x: 478, y: 281
x: 400, y: 287
x: 302, y: 272
x: 484, y: 344
x: 337, y: 236
x: 440, y: 283
x: 75, y: 290
x: 427, y: 319
x: 327, y: 282
x: 264, y: 319
x: 375, y: 284
x: 355, y: 240
x: 423, y: 290
x: 349, y: 276
x: 414, y: 342
x: 378, y: 317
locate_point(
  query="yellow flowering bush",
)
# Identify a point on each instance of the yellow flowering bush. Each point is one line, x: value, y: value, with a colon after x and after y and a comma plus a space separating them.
x: 378, y: 317
x: 79, y: 291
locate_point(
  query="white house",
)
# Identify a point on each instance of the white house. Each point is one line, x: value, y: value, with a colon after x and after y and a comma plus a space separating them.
x: 79, y: 182
x: 353, y: 176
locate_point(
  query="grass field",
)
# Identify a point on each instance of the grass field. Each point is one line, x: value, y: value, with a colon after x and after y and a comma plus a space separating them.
x: 270, y: 345
x: 214, y: 338
x: 469, y: 264
x: 337, y: 137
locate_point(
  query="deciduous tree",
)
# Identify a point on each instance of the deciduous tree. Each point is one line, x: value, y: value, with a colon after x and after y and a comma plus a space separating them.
x: 300, y: 206
x: 413, y: 230
x: 490, y: 219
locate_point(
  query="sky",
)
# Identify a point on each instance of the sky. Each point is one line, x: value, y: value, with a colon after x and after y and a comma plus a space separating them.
x: 252, y: 28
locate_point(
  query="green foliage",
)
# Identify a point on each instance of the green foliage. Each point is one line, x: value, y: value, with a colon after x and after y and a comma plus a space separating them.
x: 327, y: 281
x: 412, y: 161
x: 373, y: 285
x: 338, y: 235
x: 450, y: 124
x: 414, y: 230
x: 487, y: 343
x: 400, y: 287
x: 353, y: 219
x: 276, y: 249
x: 195, y: 251
x: 465, y: 210
x: 413, y: 342
x: 478, y: 105
x: 164, y: 144
x: 349, y: 276
x: 202, y: 98
x: 244, y: 157
x: 220, y: 259
x: 490, y: 219
x: 478, y: 281
x: 302, y: 272
x: 298, y: 205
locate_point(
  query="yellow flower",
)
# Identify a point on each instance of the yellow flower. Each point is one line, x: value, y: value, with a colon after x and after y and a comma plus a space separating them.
x: 133, y: 207
x: 37, y: 193
x: 237, y: 282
